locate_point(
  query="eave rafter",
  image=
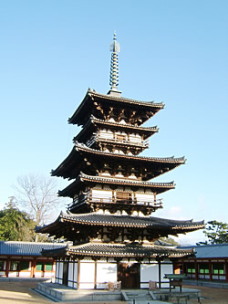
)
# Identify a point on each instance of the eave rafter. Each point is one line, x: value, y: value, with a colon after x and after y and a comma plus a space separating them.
x: 85, y: 179
x: 94, y: 100
x: 148, y: 167
x: 118, y: 251
x: 151, y: 225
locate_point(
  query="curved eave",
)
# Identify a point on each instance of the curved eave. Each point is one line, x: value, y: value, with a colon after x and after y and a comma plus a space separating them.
x: 99, y: 220
x: 85, y: 106
x: 93, y: 122
x: 68, y: 165
x: 70, y: 190
x: 100, y: 250
x: 134, y: 222
x: 126, y: 251
x: 165, y: 160
x: 136, y: 129
x: 73, y: 164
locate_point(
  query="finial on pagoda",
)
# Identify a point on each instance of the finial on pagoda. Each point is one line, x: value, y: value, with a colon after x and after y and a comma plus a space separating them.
x: 114, y: 68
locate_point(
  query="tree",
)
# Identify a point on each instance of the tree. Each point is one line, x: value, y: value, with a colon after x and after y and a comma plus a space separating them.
x: 169, y: 240
x: 38, y: 196
x: 15, y: 225
x: 216, y: 233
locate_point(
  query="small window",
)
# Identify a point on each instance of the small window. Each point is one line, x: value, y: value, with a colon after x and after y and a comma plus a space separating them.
x: 124, y: 197
x: 120, y: 137
x: 1, y: 265
x: 48, y: 266
x: 218, y: 268
x: 203, y: 268
x: 24, y: 265
x: 190, y: 268
x: 14, y: 265
x: 39, y: 266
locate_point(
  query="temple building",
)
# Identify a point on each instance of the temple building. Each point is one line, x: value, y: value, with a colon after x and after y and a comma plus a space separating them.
x: 109, y: 223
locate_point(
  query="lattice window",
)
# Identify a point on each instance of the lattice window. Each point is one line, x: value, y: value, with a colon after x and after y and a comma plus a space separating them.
x: 218, y: 268
x: 203, y: 268
x: 120, y: 137
x: 124, y: 196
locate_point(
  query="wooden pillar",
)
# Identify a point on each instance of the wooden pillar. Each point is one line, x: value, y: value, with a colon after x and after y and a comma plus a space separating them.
x: 95, y: 274
x: 7, y: 266
x: 197, y: 270
x: 33, y: 268
x: 226, y: 269
x: 210, y: 269
x: 78, y: 275
x: 159, y: 273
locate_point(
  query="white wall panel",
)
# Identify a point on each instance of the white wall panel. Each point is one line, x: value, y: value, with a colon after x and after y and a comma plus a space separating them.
x: 106, y: 272
x: 166, y: 269
x: 149, y: 272
x: 70, y: 274
x: 87, y: 271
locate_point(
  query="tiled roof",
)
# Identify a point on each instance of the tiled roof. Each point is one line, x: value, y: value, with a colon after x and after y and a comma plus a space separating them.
x: 130, y: 221
x: 26, y: 248
x: 74, y: 162
x: 121, y: 99
x: 107, y: 180
x: 72, y: 188
x: 86, y: 104
x: 120, y: 250
x: 125, y: 126
x: 122, y: 221
x: 210, y: 251
x: 168, y: 160
x: 92, y: 122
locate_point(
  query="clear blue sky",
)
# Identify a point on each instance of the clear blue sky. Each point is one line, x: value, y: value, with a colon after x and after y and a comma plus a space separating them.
x: 171, y: 51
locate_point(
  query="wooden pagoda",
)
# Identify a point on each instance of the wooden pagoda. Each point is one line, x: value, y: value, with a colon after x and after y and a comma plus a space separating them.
x: 109, y: 222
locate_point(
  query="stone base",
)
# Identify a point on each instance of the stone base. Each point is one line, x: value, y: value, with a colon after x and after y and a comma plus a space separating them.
x: 60, y: 293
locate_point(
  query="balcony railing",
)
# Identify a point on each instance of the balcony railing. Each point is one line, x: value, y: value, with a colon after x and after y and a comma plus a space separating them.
x: 122, y: 201
x: 95, y: 138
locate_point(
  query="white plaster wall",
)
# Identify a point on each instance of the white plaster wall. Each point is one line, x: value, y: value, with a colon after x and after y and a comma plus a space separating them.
x: 106, y: 272
x: 24, y: 274
x: 75, y: 285
x: 141, y: 198
x: 59, y: 272
x: 106, y: 196
x: 136, y: 138
x: 149, y: 272
x: 48, y: 274
x: 70, y: 274
x: 87, y: 271
x: 13, y: 274
x: 166, y: 269
x: 106, y: 134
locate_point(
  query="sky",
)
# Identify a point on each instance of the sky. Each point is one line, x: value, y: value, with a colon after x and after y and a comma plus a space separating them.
x: 172, y: 51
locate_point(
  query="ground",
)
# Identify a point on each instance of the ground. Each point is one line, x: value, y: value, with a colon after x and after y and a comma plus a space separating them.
x: 21, y: 292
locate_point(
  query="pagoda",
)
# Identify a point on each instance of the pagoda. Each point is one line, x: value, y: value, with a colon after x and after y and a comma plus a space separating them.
x: 113, y: 235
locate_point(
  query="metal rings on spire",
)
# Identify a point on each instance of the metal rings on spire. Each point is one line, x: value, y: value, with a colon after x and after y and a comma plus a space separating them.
x: 114, y: 68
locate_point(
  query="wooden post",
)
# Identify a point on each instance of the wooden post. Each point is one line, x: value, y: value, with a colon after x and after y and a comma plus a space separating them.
x: 95, y: 274
x: 159, y: 273
x: 78, y: 277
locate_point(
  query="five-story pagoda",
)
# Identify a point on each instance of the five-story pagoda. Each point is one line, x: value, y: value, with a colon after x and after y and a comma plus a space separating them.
x: 109, y: 221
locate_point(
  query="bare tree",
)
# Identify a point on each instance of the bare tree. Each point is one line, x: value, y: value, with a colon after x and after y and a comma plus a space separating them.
x: 37, y: 195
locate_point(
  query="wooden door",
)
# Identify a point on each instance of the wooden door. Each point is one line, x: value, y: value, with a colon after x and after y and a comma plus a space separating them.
x: 65, y: 273
x: 129, y: 275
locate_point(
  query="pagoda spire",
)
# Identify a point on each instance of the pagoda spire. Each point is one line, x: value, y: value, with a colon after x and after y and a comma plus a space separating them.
x: 114, y: 68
